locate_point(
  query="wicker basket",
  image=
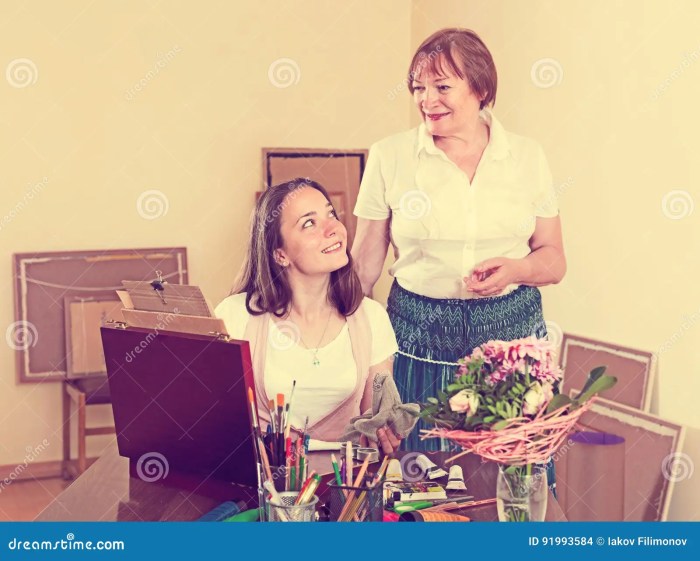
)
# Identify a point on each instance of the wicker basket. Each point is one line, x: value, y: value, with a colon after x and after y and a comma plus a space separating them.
x: 523, y: 441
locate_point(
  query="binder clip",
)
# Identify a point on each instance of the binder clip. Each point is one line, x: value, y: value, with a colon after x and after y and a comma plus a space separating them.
x: 158, y: 286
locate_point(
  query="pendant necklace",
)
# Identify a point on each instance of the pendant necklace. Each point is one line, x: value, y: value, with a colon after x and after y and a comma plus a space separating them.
x: 314, y: 352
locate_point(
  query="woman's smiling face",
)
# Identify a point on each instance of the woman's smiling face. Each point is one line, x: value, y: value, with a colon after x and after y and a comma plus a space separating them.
x: 446, y: 102
x: 314, y: 240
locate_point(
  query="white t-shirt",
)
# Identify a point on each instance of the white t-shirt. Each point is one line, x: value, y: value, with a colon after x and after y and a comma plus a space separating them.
x: 321, y: 388
x: 441, y: 225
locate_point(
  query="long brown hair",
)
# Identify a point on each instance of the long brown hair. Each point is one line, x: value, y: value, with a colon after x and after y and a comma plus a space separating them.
x: 265, y: 281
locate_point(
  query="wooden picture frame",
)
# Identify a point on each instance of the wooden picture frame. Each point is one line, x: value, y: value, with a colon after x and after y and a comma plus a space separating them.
x: 43, y: 280
x: 634, y: 369
x: 652, y: 445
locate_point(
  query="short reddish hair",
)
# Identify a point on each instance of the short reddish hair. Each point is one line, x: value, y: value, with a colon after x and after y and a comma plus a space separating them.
x: 463, y: 53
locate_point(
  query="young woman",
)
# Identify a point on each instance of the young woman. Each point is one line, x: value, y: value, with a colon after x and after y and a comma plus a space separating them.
x: 299, y: 303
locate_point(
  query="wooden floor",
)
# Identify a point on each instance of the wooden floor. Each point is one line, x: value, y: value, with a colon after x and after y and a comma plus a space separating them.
x: 23, y: 500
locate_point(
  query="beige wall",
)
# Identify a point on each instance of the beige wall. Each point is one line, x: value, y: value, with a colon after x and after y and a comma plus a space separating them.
x: 194, y: 131
x: 620, y: 131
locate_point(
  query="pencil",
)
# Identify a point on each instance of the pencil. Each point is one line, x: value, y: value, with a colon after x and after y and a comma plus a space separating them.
x: 304, y: 487
x: 351, y: 495
x: 336, y: 470
x: 354, y: 514
x: 348, y: 463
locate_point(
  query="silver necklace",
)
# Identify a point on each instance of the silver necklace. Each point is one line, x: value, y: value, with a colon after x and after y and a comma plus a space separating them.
x: 314, y: 352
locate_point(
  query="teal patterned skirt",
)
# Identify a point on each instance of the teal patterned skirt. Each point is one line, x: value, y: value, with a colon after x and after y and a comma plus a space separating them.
x: 433, y: 333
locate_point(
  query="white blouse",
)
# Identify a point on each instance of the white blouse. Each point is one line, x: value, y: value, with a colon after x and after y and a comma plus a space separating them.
x: 321, y: 388
x: 441, y: 225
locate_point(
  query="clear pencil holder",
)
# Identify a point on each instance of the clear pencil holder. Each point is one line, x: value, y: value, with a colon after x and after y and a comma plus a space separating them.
x: 288, y: 511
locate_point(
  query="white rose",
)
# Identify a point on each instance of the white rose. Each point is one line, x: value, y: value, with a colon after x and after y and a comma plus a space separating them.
x: 465, y: 401
x: 533, y: 399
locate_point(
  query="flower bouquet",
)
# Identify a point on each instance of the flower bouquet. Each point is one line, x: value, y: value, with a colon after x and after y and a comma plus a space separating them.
x: 502, y: 406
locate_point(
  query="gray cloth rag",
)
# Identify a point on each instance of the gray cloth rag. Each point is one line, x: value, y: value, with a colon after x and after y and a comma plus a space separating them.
x: 387, y: 410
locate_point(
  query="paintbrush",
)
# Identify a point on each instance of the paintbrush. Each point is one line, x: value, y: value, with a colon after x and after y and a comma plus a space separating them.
x: 288, y: 412
x: 278, y: 434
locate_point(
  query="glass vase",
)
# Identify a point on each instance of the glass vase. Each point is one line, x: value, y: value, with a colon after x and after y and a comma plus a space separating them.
x: 521, y: 493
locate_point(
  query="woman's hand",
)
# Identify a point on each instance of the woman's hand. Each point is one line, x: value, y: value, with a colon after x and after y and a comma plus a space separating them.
x: 492, y: 276
x: 388, y: 441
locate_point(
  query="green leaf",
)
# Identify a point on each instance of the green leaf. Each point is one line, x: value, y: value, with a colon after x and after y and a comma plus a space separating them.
x: 454, y: 387
x: 433, y: 400
x: 558, y: 401
x: 489, y: 419
x: 500, y: 424
x: 600, y: 385
x: 593, y: 375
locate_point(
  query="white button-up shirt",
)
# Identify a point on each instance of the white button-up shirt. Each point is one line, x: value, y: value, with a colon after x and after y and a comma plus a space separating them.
x: 442, y: 225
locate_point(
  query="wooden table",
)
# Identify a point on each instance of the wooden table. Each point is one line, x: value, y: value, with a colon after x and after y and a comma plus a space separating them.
x: 107, y: 492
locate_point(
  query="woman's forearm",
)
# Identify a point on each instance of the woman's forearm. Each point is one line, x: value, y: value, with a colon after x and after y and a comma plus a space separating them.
x: 545, y: 265
x: 369, y: 251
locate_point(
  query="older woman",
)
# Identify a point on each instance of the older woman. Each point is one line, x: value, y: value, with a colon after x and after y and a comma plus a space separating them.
x: 471, y: 213
x: 299, y: 304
